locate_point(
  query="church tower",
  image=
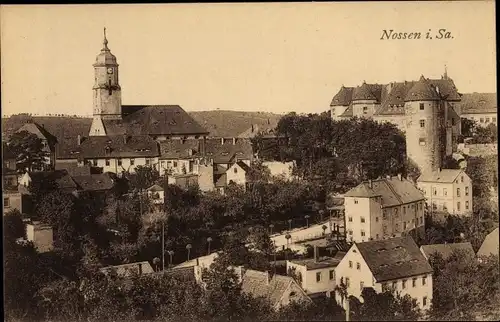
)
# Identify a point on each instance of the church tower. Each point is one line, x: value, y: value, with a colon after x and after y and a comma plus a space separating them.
x: 107, y: 103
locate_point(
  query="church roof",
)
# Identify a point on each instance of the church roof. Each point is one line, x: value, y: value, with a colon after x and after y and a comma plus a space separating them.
x: 179, y: 149
x: 160, y: 120
x: 118, y: 146
x: 105, y: 57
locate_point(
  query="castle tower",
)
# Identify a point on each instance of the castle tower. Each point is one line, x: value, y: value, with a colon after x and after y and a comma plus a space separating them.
x: 423, y: 129
x: 107, y: 91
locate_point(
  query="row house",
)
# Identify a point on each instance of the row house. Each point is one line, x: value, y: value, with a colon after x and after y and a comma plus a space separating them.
x: 394, y: 264
x: 448, y: 191
x: 383, y: 208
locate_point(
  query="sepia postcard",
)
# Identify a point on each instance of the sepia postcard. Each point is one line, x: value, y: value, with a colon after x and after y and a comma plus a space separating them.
x: 285, y: 161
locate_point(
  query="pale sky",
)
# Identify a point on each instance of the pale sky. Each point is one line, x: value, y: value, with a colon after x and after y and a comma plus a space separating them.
x: 274, y: 57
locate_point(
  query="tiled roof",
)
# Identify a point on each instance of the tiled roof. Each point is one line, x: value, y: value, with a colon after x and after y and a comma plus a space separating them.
x: 323, y: 262
x: 243, y: 165
x: 39, y: 131
x: 61, y: 177
x: 490, y: 244
x: 179, y: 149
x: 423, y: 90
x: 74, y: 169
x: 117, y: 147
x: 393, y: 191
x: 394, y: 258
x: 93, y: 182
x: 228, y: 152
x: 445, y: 250
x: 115, y: 127
x: 478, y: 103
x: 363, y: 92
x: 443, y: 176
x: 182, y: 273
x: 343, y: 97
x: 127, y: 270
x: 160, y: 120
x: 391, y: 97
x: 259, y: 284
x: 155, y: 187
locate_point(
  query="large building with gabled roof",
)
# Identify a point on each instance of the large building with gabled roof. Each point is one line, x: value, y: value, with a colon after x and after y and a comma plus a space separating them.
x: 427, y: 110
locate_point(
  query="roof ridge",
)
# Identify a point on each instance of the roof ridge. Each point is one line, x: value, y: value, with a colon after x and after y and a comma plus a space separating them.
x: 393, y: 190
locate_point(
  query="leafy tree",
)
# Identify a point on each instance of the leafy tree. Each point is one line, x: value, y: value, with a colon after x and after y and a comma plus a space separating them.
x: 143, y: 177
x: 468, y: 127
x: 30, y: 151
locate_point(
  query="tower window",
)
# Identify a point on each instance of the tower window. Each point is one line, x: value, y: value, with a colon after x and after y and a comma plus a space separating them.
x: 458, y: 206
x: 421, y: 106
x: 467, y: 205
x: 421, y: 141
x: 422, y: 123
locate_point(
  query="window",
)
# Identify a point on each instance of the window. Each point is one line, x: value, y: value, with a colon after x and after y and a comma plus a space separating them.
x: 458, y: 205
x: 107, y: 162
x: 462, y: 179
x: 94, y: 162
x: 404, y: 225
x: 394, y: 285
x: 466, y: 191
x: 384, y: 215
x: 445, y: 192
x: 347, y: 282
x: 6, y: 202
x: 384, y: 287
x: 356, y: 201
x: 175, y: 164
x: 350, y: 232
x: 361, y: 285
x: 458, y: 192
x: 365, y: 109
x: 363, y: 234
x: 422, y: 123
x: 148, y: 161
x: 119, y: 162
x: 434, y: 206
x: 396, y: 212
x: 358, y: 266
x: 424, y: 301
x: 421, y: 141
x: 132, y: 161
x: 376, y: 219
x: 362, y: 219
x: 235, y: 170
x: 424, y: 280
x: 376, y: 237
x: 333, y: 111
x: 434, y: 191
x: 404, y: 210
x: 481, y: 120
x: 421, y: 106
x: 318, y: 277
x: 397, y: 227
x: 487, y: 120
x: 467, y: 205
x: 350, y: 264
x: 404, y: 284
x: 494, y: 120
x: 350, y: 219
x: 414, y: 282
x: 332, y: 274
x: 384, y: 229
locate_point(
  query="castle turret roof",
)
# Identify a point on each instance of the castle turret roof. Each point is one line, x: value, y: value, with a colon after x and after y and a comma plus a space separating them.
x: 422, y: 90
x: 343, y: 97
x: 363, y: 92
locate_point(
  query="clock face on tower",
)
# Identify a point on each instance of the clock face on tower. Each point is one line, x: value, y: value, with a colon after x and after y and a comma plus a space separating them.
x: 110, y: 70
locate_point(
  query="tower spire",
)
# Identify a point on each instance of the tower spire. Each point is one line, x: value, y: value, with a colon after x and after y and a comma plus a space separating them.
x: 105, y: 42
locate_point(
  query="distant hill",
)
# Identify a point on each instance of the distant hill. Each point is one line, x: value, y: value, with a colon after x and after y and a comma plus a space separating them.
x: 232, y: 123
x: 218, y: 123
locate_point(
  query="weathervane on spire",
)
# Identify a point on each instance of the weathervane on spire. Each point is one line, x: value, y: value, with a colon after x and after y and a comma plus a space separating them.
x: 105, y: 42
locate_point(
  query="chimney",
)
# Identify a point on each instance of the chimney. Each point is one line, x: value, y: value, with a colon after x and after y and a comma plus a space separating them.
x: 400, y: 177
x: 234, y: 141
x: 437, y: 89
x: 221, y: 140
x: 370, y: 184
x: 140, y: 268
x: 79, y: 139
x: 316, y: 254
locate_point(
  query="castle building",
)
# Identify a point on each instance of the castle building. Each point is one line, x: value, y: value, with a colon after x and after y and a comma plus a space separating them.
x: 425, y: 109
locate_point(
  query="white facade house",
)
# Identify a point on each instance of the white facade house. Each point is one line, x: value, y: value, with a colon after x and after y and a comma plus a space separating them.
x: 392, y: 264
